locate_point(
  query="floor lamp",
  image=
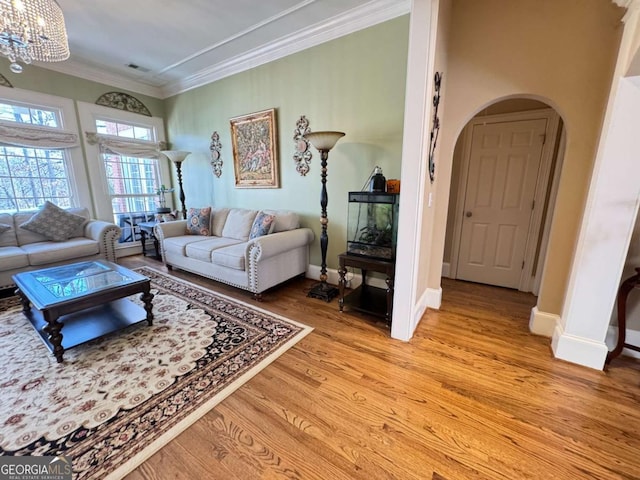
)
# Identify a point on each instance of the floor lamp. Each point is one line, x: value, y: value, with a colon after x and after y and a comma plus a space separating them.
x: 323, y: 142
x: 177, y: 157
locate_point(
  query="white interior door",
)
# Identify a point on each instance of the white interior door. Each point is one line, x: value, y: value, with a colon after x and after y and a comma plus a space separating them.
x: 503, y: 169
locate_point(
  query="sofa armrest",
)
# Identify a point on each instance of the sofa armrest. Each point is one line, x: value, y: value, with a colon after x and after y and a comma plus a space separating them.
x: 164, y: 230
x: 276, y: 243
x: 170, y: 229
x: 106, y: 234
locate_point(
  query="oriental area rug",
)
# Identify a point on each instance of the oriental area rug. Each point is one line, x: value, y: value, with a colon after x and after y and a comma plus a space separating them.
x: 117, y: 400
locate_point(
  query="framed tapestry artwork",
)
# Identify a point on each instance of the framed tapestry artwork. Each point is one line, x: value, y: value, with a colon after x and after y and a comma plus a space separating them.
x: 255, y: 151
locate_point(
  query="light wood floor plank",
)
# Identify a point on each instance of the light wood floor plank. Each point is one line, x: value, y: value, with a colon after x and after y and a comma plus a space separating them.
x: 474, y: 395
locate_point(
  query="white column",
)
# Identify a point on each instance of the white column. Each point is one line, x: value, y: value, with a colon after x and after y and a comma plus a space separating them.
x: 414, y: 171
x: 606, y: 230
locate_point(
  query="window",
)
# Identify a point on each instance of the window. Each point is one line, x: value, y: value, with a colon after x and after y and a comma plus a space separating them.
x: 30, y: 176
x: 15, y: 112
x: 132, y: 181
x: 132, y: 184
x: 124, y: 130
x: 128, y: 169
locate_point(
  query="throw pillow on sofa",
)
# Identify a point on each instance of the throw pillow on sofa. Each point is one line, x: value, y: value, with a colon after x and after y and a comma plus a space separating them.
x: 4, y: 227
x: 198, y: 221
x: 54, y: 223
x: 262, y: 225
x: 238, y: 223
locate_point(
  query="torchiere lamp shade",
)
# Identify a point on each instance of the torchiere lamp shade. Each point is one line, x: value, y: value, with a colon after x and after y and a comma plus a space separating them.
x: 177, y: 157
x: 324, y: 141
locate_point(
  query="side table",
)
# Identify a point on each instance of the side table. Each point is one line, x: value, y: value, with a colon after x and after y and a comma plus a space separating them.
x: 146, y: 228
x: 367, y: 298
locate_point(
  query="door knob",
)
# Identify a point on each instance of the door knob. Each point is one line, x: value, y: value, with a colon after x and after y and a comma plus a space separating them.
x: 468, y: 214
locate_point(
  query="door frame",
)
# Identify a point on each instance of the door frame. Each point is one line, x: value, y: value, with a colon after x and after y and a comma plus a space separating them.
x: 526, y: 283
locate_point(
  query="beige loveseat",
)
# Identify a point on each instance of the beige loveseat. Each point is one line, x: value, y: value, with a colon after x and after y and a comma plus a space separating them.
x: 22, y: 250
x: 229, y: 256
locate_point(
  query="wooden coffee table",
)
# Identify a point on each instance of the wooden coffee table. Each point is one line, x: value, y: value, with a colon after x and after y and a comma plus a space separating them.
x: 86, y: 298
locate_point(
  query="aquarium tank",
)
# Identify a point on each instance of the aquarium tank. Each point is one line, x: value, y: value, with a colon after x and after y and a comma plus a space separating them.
x: 372, y: 224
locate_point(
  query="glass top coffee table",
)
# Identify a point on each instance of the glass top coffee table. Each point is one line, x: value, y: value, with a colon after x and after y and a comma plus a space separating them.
x: 86, y: 298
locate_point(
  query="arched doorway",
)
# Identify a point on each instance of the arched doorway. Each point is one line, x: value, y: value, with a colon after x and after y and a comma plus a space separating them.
x: 504, y: 179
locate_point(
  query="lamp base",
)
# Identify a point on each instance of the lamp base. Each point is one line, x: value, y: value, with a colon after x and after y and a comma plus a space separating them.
x: 323, y: 291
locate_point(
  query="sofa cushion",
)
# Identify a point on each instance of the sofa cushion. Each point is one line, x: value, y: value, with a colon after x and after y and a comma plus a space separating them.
x: 202, y: 250
x: 262, y: 225
x: 4, y: 228
x: 199, y: 221
x: 43, y: 253
x: 12, y: 257
x: 178, y: 245
x: 219, y: 217
x: 238, y: 224
x: 231, y: 257
x: 285, y: 220
x: 54, y: 223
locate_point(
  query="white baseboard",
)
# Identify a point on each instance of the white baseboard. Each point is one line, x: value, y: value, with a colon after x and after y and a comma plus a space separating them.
x: 128, y: 250
x: 431, y: 298
x: 434, y: 297
x: 579, y: 350
x: 421, y: 307
x: 632, y: 337
x: 543, y: 323
x: 446, y: 268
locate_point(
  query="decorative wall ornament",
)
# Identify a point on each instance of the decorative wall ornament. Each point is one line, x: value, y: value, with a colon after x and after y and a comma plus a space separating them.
x: 435, y: 128
x: 255, y: 150
x: 4, y: 82
x: 303, y: 155
x: 216, y: 160
x: 123, y: 101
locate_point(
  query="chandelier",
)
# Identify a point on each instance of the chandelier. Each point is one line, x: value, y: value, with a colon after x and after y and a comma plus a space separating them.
x: 32, y: 30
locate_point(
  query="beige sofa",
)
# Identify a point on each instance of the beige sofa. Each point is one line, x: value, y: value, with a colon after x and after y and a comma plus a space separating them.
x: 22, y: 250
x: 227, y: 255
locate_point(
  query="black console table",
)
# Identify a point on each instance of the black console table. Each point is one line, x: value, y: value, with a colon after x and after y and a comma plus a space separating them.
x: 367, y: 298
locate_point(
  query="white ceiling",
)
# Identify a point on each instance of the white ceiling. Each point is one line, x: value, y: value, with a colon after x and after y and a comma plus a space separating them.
x: 182, y: 45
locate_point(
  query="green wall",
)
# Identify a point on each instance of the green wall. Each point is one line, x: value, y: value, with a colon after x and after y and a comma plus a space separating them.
x: 354, y: 84
x: 54, y: 83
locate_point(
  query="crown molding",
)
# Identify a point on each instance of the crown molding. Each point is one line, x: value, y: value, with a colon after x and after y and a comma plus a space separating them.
x: 358, y: 18
x: 367, y: 15
x: 240, y: 34
x: 95, y: 74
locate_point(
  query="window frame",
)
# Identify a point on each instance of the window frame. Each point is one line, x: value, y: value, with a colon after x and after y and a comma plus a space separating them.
x: 88, y: 114
x: 76, y: 168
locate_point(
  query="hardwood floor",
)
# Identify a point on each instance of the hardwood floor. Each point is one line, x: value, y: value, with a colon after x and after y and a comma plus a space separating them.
x: 473, y: 395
